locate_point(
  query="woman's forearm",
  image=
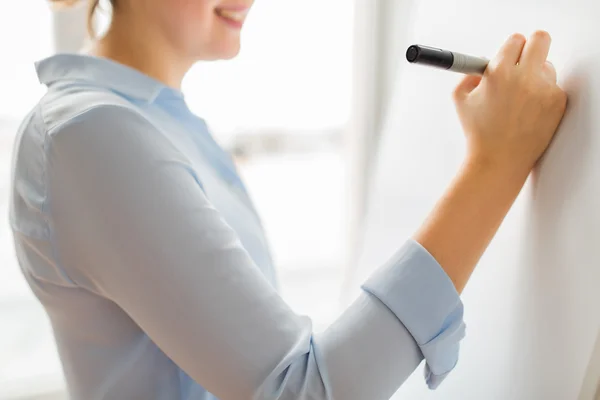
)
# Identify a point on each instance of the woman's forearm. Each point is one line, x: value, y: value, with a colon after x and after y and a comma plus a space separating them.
x: 466, y: 218
x: 509, y: 117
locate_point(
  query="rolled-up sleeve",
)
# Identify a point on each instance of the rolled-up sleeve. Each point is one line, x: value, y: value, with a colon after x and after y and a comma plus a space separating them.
x: 131, y: 222
x: 418, y: 291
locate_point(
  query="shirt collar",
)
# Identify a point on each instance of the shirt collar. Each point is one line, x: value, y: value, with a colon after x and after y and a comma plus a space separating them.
x: 103, y: 72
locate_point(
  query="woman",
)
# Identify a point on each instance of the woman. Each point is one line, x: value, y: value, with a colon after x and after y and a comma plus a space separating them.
x: 135, y: 232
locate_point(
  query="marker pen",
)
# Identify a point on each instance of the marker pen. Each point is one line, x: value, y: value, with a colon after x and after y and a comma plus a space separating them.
x: 445, y: 59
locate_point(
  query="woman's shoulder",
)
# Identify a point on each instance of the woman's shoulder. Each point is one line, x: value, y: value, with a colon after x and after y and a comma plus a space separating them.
x: 75, y: 112
x: 69, y: 101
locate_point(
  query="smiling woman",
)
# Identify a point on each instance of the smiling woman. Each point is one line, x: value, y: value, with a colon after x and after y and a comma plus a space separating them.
x: 252, y: 91
x: 135, y: 230
x: 149, y: 255
x: 207, y: 30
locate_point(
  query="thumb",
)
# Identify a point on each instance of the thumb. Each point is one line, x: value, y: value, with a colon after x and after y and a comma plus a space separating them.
x: 466, y: 86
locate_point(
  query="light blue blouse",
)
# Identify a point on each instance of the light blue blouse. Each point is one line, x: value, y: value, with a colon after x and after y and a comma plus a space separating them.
x: 136, y: 234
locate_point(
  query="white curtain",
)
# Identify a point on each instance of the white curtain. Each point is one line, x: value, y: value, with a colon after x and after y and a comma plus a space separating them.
x: 380, y: 29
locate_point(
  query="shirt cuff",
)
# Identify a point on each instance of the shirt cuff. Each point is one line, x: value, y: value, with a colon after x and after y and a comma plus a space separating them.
x: 417, y: 290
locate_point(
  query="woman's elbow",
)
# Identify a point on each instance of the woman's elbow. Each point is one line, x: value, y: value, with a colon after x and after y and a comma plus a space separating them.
x: 301, y: 379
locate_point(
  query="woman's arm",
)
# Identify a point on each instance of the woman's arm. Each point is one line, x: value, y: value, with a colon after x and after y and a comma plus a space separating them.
x: 509, y: 118
x: 131, y: 223
x: 468, y: 215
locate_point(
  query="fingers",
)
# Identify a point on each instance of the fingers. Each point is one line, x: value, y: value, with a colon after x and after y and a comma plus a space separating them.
x: 466, y: 86
x: 510, y: 52
x: 536, y: 49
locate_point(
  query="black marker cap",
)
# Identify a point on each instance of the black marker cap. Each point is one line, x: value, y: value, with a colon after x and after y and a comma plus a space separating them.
x: 429, y: 56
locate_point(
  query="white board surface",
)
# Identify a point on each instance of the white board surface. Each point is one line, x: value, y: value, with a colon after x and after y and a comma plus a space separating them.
x: 532, y: 307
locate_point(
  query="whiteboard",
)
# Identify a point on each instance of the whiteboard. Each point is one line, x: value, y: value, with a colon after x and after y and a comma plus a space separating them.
x: 532, y: 307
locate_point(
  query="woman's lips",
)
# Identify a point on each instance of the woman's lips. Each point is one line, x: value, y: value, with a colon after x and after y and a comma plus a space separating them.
x: 234, y: 16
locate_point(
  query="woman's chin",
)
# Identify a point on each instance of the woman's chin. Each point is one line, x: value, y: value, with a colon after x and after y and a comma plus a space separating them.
x: 230, y: 53
x: 224, y: 52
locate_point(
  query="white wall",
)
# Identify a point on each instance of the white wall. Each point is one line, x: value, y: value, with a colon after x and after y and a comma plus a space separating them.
x: 532, y: 307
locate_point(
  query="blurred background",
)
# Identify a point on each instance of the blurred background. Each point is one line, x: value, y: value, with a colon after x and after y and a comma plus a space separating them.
x: 300, y: 109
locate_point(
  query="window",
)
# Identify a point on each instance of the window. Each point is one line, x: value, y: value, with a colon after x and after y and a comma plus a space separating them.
x: 281, y: 106
x: 28, y: 358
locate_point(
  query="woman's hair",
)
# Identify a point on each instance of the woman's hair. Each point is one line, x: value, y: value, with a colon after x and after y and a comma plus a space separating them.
x: 92, y: 7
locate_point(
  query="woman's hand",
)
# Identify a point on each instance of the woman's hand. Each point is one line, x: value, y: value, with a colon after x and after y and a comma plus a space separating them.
x: 511, y: 114
x: 509, y: 117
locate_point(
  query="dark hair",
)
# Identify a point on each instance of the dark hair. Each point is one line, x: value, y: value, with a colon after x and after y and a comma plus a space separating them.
x: 92, y: 7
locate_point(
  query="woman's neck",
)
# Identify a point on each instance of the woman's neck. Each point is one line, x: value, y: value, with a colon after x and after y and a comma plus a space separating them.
x: 141, y: 48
